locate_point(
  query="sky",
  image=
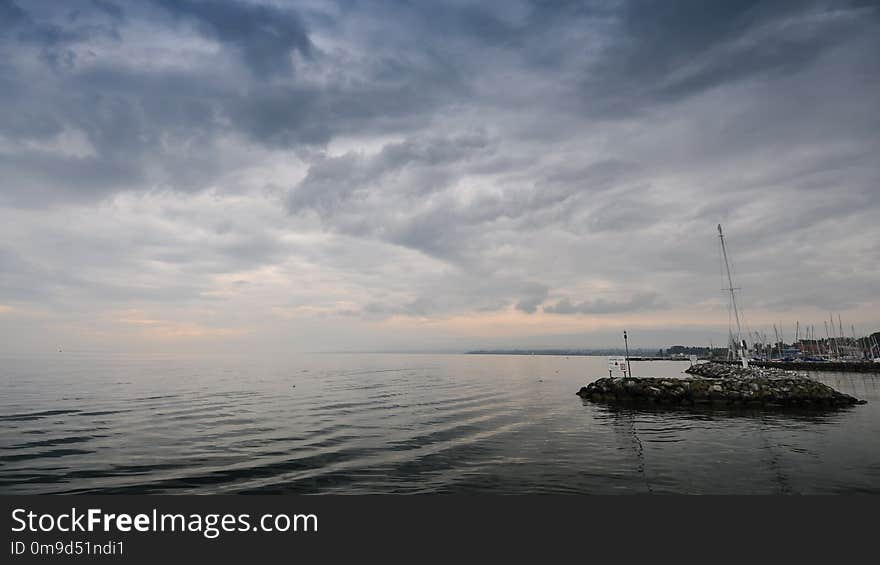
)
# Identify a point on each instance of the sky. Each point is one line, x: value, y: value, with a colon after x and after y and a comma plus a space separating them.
x: 266, y: 176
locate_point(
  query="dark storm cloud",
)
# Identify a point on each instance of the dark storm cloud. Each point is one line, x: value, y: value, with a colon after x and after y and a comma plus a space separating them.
x: 664, y: 51
x: 649, y: 53
x: 143, y: 118
x: 10, y: 15
x: 54, y: 32
x: 267, y: 36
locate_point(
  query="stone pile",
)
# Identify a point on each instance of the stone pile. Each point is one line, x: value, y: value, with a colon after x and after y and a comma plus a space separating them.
x: 724, y: 371
x: 730, y: 386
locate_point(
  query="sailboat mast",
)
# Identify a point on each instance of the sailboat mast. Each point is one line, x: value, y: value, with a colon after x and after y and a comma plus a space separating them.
x: 778, y: 345
x: 856, y: 343
x: 828, y: 339
x: 731, y: 289
x: 834, y: 341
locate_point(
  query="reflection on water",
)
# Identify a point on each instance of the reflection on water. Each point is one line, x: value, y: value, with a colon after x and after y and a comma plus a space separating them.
x: 814, y: 415
x: 405, y: 424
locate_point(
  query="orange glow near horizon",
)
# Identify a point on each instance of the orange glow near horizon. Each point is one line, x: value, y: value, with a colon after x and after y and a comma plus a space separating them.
x: 161, y: 329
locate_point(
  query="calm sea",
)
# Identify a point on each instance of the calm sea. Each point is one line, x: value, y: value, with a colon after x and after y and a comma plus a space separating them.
x: 403, y: 424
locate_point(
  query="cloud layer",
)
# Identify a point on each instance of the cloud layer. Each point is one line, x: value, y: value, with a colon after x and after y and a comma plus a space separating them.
x: 363, y: 175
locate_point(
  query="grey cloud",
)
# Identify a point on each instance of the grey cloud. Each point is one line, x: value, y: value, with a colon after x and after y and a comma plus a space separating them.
x: 146, y: 119
x: 665, y: 51
x: 172, y: 259
x: 626, y: 212
x: 29, y: 282
x: 641, y: 301
x: 110, y: 8
x: 11, y: 15
x: 312, y: 114
x: 54, y: 34
x: 333, y: 180
x: 534, y: 296
x: 421, y: 306
x: 266, y: 35
x: 33, y: 176
x: 460, y: 291
x: 363, y: 195
x: 452, y: 157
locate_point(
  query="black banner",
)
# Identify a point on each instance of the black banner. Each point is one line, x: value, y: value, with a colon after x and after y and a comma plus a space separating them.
x: 147, y: 529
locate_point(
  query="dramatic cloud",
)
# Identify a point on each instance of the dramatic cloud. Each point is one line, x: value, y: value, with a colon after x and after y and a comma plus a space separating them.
x: 385, y: 175
x: 266, y: 35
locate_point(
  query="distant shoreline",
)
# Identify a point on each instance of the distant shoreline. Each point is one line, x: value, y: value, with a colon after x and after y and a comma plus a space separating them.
x: 634, y: 356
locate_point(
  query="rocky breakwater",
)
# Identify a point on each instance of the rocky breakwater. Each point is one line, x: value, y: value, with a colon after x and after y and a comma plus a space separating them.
x: 714, y: 383
x: 727, y: 371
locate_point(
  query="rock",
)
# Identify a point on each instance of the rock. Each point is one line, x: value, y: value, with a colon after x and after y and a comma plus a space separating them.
x: 720, y: 384
x: 723, y: 371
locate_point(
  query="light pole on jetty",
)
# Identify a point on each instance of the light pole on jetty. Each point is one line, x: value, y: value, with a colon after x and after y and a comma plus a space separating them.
x: 626, y: 346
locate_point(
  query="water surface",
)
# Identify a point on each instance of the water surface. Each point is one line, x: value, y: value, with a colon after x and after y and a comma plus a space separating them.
x: 403, y: 424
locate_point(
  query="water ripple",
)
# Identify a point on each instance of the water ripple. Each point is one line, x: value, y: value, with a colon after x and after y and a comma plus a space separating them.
x: 405, y: 424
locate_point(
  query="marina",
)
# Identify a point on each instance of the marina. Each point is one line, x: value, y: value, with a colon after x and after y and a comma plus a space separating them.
x: 833, y: 366
x: 807, y: 350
